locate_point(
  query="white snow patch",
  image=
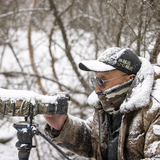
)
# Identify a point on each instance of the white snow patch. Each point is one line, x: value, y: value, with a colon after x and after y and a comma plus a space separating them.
x: 7, y: 133
x: 105, y: 56
x: 156, y: 130
x: 97, y: 66
x: 93, y: 99
x: 29, y: 96
x: 152, y: 148
x: 155, y: 106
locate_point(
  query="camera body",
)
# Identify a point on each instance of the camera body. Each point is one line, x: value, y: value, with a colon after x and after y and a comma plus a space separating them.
x: 60, y: 106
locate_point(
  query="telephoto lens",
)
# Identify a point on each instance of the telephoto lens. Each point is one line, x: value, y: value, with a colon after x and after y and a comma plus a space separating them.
x: 17, y: 103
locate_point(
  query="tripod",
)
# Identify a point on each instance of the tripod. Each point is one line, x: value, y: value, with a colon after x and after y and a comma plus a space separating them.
x: 26, y: 131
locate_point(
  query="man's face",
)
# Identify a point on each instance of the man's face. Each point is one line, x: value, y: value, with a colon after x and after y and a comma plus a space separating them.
x: 111, y: 83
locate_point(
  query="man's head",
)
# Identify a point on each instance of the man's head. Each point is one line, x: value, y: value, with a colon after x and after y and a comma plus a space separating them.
x: 114, y: 66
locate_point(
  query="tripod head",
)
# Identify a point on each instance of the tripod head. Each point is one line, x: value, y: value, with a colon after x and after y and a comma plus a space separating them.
x: 25, y: 134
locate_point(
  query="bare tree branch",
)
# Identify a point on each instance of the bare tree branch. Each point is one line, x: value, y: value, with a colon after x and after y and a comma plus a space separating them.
x: 66, y: 9
x: 156, y: 50
x: 53, y: 59
x: 139, y: 38
x: 2, y: 55
x: 15, y: 55
x: 122, y: 18
x: 121, y: 23
x: 67, y: 46
x: 32, y: 54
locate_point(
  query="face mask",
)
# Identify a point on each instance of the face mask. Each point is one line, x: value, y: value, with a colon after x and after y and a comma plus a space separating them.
x: 112, y: 98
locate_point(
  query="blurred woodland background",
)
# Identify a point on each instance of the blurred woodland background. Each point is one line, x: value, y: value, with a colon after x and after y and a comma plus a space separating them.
x: 42, y: 42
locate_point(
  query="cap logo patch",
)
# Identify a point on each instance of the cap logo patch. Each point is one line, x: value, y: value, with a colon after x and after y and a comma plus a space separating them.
x: 125, y: 64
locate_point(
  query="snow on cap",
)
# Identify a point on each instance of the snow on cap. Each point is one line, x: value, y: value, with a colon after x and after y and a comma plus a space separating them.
x: 113, y: 58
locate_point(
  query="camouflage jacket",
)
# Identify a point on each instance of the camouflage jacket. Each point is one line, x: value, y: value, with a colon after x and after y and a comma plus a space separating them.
x: 139, y: 136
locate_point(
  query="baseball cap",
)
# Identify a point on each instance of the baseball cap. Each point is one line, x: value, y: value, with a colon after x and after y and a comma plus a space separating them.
x: 123, y: 59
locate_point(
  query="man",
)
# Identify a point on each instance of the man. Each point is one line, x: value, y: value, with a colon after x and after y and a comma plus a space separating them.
x: 126, y: 121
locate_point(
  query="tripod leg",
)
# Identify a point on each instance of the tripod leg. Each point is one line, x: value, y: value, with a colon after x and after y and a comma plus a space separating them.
x: 23, y: 154
x: 56, y: 147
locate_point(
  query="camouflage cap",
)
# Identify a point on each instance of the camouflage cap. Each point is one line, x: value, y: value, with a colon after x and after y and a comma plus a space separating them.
x: 113, y: 58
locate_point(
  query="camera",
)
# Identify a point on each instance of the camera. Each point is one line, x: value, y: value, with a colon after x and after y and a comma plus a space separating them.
x: 18, y: 103
x: 60, y: 105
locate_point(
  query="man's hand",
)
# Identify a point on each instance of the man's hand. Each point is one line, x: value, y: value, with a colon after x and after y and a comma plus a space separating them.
x: 55, y: 121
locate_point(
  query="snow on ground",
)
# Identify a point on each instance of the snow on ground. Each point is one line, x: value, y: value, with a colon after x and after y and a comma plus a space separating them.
x: 8, y: 151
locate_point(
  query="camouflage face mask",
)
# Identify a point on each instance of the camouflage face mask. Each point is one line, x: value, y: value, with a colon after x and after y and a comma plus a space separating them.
x: 112, y: 98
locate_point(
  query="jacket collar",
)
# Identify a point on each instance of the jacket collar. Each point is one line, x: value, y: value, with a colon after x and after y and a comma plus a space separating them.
x: 139, y: 93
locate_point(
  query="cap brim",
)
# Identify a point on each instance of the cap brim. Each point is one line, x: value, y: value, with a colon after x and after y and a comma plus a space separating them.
x: 96, y: 66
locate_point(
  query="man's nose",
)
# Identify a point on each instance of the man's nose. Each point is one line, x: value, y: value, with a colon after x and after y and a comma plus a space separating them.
x: 98, y: 89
